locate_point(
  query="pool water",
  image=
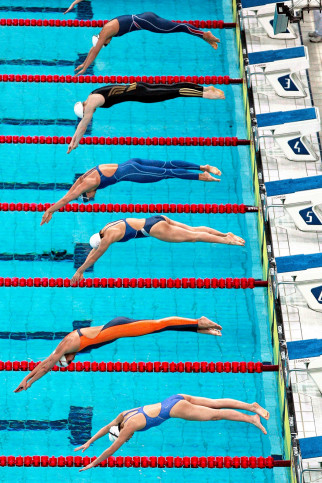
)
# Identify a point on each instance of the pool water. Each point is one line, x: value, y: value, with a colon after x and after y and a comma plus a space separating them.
x: 62, y: 408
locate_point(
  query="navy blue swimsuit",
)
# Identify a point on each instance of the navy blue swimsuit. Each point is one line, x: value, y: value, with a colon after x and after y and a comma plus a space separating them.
x: 131, y: 233
x: 164, y: 414
x: 140, y: 170
x: 153, y: 23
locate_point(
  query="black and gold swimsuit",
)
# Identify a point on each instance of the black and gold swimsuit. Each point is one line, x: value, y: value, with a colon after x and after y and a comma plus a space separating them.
x: 147, y: 93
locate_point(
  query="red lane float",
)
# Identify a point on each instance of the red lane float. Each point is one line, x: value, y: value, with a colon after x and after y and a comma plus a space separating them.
x: 147, y: 461
x: 118, y: 79
x: 155, y: 141
x: 188, y: 367
x: 195, y: 283
x: 26, y: 22
x: 133, y: 208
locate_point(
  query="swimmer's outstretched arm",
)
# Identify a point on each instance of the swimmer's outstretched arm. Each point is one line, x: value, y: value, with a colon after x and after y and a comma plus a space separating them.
x: 73, y: 5
x: 94, y: 255
x: 102, y: 432
x: 41, y: 369
x: 105, y: 37
x: 82, y: 126
x: 75, y: 191
x: 125, y: 434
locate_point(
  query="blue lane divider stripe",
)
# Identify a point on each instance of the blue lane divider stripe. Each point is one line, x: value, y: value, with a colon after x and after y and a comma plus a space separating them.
x: 79, y: 423
x: 34, y: 186
x: 49, y: 63
x: 10, y: 8
x: 78, y: 257
x: 38, y: 122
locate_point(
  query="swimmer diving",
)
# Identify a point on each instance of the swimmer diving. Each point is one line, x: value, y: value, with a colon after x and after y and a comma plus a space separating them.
x: 136, y: 170
x: 120, y: 327
x: 182, y: 406
x: 110, y: 95
x: 160, y: 227
x: 124, y: 24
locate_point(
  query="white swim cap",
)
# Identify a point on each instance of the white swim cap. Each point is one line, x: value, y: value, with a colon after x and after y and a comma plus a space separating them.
x: 95, y: 40
x: 114, y: 433
x: 63, y: 362
x: 79, y: 109
x: 95, y: 240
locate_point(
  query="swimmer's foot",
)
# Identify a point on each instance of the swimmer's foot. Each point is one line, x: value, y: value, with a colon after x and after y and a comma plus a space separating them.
x: 207, y: 177
x: 211, y: 39
x: 238, y: 238
x: 231, y: 239
x: 256, y: 408
x: 256, y: 421
x: 207, y: 326
x: 210, y: 169
x: 212, y: 92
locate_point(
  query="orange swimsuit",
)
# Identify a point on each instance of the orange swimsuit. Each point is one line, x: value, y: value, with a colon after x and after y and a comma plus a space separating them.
x: 124, y: 327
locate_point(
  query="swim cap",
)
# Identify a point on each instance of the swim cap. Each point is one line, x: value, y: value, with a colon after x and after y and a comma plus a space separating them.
x: 63, y: 362
x: 95, y: 40
x: 113, y: 433
x: 79, y: 109
x: 95, y: 240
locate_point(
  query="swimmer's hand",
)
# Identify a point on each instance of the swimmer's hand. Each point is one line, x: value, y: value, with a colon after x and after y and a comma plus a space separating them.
x: 73, y: 145
x: 77, y: 277
x: 88, y: 467
x: 81, y: 69
x: 72, y: 6
x: 23, y: 386
x: 46, y: 217
x: 84, y: 447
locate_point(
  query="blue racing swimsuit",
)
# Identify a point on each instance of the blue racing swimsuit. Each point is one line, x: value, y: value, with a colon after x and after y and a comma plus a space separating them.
x: 153, y: 23
x: 140, y: 170
x: 164, y: 414
x: 131, y: 233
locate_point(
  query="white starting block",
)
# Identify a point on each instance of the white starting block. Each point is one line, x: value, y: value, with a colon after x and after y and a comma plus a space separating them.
x: 263, y: 11
x: 280, y: 68
x: 289, y: 129
x: 302, y: 199
x: 305, y: 272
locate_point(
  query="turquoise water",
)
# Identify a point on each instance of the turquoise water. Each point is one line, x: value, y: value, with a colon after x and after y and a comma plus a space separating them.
x: 242, y: 313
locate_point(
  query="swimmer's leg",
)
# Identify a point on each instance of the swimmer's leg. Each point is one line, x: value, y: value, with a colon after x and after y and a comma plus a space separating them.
x: 153, y: 23
x: 228, y: 404
x: 192, y: 412
x: 174, y: 234
x: 148, y: 93
x: 123, y: 327
x: 139, y: 173
x: 166, y: 164
x: 204, y: 229
x: 174, y: 164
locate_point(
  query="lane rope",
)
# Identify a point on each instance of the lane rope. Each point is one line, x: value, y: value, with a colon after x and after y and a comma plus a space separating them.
x: 127, y: 140
x: 147, y: 462
x: 133, y: 208
x: 195, y: 283
x: 187, y: 367
x: 113, y: 79
x: 25, y: 22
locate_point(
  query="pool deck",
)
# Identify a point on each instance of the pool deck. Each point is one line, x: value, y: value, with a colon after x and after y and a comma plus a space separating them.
x: 300, y: 322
